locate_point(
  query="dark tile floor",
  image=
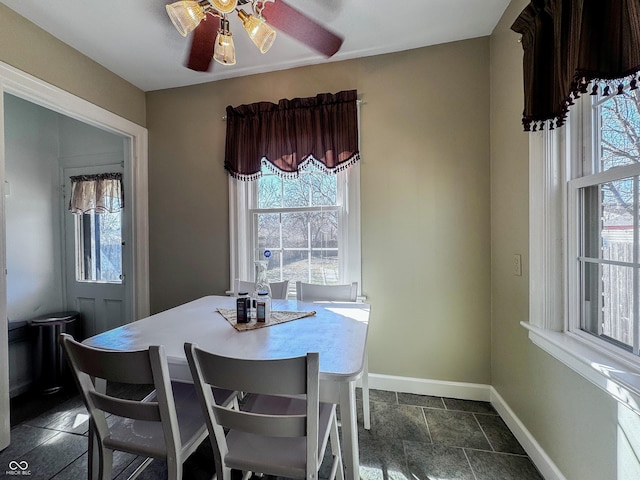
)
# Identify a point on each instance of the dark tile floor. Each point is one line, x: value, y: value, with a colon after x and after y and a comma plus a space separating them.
x: 412, y: 437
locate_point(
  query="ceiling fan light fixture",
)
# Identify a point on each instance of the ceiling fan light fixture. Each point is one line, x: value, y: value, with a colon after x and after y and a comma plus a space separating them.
x: 260, y: 33
x: 224, y: 51
x: 185, y: 15
x: 224, y: 6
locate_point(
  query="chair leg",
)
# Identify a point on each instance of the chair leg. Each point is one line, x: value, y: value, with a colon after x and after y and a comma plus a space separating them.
x: 337, y: 469
x: 174, y: 469
x: 366, y: 412
x: 226, y: 473
x: 106, y: 463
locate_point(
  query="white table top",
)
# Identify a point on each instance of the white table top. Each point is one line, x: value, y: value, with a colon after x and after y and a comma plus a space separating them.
x: 338, y: 332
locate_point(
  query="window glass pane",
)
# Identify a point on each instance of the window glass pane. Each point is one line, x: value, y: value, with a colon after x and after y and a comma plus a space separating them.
x: 324, y: 189
x: 268, y: 231
x: 324, y: 267
x: 100, y: 248
x: 617, y: 220
x: 607, y: 303
x: 295, y: 230
x: 608, y: 220
x: 617, y: 303
x: 607, y: 268
x: 304, y: 245
x: 297, y: 191
x: 269, y: 191
x: 619, y: 130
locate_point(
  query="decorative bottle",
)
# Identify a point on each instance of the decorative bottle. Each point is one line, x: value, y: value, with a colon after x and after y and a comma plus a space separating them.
x: 262, y: 284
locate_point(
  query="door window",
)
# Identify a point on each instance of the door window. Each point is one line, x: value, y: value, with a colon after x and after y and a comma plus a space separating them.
x: 99, y: 247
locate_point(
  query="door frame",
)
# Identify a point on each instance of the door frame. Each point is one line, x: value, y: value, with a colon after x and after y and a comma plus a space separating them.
x: 34, y: 90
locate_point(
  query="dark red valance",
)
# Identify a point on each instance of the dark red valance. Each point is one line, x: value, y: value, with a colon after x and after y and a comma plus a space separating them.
x: 570, y: 43
x: 323, y: 129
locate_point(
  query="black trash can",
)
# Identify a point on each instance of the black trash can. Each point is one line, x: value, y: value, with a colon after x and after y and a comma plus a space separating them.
x: 49, y: 363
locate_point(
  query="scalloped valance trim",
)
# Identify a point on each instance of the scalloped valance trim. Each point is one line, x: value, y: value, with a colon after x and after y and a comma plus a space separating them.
x: 595, y: 86
x: 306, y: 163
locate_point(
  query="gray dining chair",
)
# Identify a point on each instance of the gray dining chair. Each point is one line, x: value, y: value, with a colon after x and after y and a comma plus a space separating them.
x: 279, y: 290
x: 282, y: 429
x: 311, y: 292
x: 167, y: 424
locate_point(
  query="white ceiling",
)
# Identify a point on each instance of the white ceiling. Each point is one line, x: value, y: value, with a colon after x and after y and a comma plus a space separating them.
x: 136, y: 40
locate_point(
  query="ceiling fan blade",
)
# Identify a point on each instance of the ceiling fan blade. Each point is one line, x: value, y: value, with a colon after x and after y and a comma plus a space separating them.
x: 203, y: 40
x: 287, y: 19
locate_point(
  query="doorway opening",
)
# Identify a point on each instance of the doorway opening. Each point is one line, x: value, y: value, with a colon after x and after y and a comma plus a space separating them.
x: 69, y: 112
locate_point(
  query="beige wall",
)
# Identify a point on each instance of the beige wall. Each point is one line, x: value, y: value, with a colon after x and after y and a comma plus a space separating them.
x: 25, y: 46
x: 429, y: 267
x: 425, y: 198
x: 573, y: 420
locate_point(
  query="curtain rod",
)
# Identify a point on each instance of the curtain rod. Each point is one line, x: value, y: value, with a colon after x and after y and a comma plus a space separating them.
x: 359, y: 102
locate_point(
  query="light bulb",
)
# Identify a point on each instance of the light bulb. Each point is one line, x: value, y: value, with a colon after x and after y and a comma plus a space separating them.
x: 224, y: 51
x: 260, y: 33
x: 185, y: 15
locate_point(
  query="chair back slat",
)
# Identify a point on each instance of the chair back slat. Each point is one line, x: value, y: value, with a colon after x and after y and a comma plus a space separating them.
x: 309, y: 292
x: 147, y: 411
x: 269, y: 377
x: 131, y: 367
x: 262, y: 424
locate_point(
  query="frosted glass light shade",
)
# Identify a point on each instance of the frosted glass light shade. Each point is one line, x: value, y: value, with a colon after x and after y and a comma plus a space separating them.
x: 224, y: 51
x: 185, y: 15
x: 224, y: 6
x: 260, y: 33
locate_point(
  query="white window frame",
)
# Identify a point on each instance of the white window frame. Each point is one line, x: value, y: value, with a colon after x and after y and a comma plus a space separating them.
x: 553, y: 239
x: 243, y: 200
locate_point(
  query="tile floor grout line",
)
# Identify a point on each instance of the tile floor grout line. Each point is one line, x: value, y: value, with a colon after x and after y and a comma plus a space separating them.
x: 483, y: 432
x: 506, y: 454
x: 469, y: 463
x: 424, y: 416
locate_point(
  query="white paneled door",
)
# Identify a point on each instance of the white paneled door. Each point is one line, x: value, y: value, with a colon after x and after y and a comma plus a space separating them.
x: 96, y: 261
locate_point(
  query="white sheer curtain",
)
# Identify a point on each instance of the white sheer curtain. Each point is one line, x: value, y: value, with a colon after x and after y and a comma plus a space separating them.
x: 101, y: 193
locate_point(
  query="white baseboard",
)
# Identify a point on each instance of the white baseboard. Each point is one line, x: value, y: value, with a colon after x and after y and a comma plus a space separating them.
x: 479, y: 392
x: 437, y: 388
x: 538, y: 456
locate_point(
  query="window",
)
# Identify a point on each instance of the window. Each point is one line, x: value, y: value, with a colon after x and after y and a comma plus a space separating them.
x: 309, y: 223
x: 584, y: 243
x: 96, y: 202
x: 604, y: 196
x: 99, y: 247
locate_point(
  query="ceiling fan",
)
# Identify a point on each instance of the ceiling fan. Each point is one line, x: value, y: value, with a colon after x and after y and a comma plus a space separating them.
x: 212, y: 40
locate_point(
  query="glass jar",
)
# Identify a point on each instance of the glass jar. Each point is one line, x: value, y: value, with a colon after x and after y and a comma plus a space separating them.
x: 263, y: 307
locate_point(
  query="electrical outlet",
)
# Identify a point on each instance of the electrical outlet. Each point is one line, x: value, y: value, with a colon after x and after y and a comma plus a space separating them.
x: 517, y: 265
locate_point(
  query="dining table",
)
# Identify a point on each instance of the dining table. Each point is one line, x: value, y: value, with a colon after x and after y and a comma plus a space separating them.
x: 336, y: 330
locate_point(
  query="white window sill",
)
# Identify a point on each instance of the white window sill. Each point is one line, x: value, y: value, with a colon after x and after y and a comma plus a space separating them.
x: 615, y: 377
